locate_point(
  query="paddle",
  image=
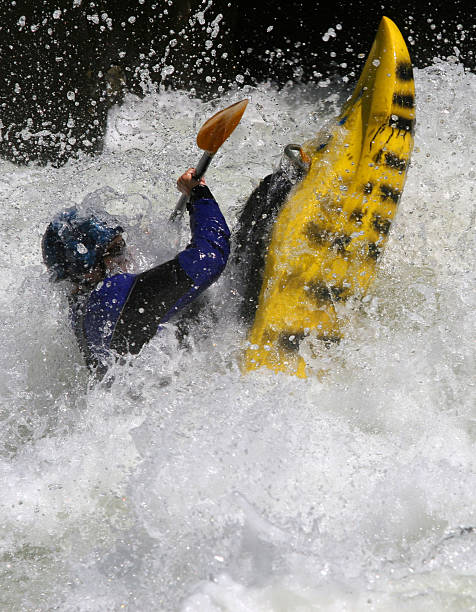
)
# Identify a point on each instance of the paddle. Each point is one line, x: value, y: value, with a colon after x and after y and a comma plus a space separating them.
x: 211, y: 136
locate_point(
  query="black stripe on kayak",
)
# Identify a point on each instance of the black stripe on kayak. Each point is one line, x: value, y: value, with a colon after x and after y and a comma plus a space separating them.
x: 401, y: 123
x: 357, y: 215
x: 316, y: 234
x: 404, y: 100
x: 378, y: 156
x: 322, y: 237
x: 393, y: 161
x: 340, y: 242
x: 325, y: 293
x: 404, y: 71
x: 290, y: 341
x: 374, y: 251
x: 380, y: 224
x: 387, y: 192
x: 329, y: 340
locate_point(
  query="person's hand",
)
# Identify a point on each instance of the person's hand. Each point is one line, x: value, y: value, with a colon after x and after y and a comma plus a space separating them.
x: 187, y: 182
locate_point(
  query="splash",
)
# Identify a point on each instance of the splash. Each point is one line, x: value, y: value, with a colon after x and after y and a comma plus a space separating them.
x: 185, y: 485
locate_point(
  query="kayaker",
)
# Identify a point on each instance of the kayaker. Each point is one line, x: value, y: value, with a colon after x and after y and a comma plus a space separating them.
x: 114, y: 312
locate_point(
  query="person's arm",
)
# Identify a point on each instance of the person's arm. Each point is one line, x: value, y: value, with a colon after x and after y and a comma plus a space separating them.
x: 205, y: 257
x: 160, y: 292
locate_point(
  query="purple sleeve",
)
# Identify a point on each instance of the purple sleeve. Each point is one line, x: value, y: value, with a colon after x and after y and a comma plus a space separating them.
x: 205, y: 257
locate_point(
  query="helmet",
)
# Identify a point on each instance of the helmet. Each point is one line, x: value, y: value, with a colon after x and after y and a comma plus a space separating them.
x: 73, y: 244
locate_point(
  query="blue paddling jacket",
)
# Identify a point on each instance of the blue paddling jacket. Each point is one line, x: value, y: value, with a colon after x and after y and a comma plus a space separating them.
x: 124, y: 311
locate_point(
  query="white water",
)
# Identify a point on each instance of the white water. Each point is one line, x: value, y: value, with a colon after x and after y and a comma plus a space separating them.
x: 187, y: 486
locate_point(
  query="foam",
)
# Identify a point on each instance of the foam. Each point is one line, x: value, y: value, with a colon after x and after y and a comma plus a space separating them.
x: 185, y: 485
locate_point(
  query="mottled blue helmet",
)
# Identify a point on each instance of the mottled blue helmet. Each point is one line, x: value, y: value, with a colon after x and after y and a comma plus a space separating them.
x: 73, y: 244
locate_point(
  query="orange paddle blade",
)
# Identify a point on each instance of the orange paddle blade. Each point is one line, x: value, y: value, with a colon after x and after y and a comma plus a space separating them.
x: 216, y: 130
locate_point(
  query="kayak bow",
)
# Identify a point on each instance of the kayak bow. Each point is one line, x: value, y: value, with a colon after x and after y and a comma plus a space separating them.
x: 334, y: 225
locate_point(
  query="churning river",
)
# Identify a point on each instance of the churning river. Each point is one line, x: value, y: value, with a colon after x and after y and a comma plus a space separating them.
x: 187, y: 486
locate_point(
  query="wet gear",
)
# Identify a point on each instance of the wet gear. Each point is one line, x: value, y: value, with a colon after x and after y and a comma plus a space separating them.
x: 74, y: 244
x: 125, y: 311
x: 252, y: 235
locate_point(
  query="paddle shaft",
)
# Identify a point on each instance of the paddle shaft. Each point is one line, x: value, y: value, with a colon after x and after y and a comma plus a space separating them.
x: 200, y: 170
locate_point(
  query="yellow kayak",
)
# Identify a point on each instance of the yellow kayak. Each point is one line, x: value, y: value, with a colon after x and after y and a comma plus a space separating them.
x: 330, y: 233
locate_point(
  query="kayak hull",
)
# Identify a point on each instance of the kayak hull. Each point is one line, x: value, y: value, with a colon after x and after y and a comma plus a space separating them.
x: 331, y: 231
